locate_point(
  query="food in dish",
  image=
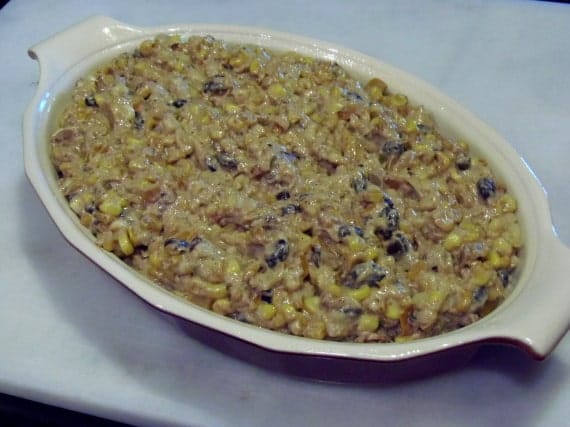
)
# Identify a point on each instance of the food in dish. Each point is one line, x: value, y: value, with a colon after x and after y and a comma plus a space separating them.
x: 279, y: 190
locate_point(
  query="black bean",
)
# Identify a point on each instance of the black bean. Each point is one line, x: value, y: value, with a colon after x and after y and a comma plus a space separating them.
x: 211, y: 164
x: 346, y: 230
x: 267, y: 296
x: 90, y: 101
x: 179, y: 103
x: 215, y: 87
x: 486, y: 187
x: 283, y: 195
x: 392, y: 222
x: 291, y: 209
x: 399, y: 246
x: 480, y: 294
x: 287, y: 156
x: 343, y: 231
x: 366, y: 273
x: 393, y: 148
x: 353, y: 96
x: 360, y: 182
x: 139, y: 120
x: 279, y: 254
x: 388, y: 201
x: 351, y: 311
x: 358, y: 231
x: 505, y: 276
x: 226, y: 161
x: 181, y: 245
x: 316, y: 256
x: 463, y: 162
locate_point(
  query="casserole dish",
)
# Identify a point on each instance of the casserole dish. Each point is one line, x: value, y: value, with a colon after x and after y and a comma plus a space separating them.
x: 541, y: 296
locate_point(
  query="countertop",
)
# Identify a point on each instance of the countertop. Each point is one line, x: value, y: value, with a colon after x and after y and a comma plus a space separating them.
x: 73, y: 337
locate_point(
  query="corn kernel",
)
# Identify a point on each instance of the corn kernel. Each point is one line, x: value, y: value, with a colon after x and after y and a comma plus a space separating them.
x: 155, y: 259
x: 360, y: 294
x: 312, y: 303
x: 368, y: 323
x: 452, y: 241
x: 481, y: 275
x: 231, y: 108
x: 222, y: 306
x: 376, y: 88
x: 266, y: 311
x: 255, y: 67
x: 124, y: 242
x: 289, y: 311
x: 393, y: 310
x: 316, y: 329
x: 497, y: 261
x: 507, y: 203
x: 355, y: 243
x: 400, y: 339
x: 335, y: 290
x: 335, y: 107
x: 370, y: 253
x: 277, y: 91
x: 232, y: 266
x: 502, y: 246
x: 113, y: 205
x: 215, y: 291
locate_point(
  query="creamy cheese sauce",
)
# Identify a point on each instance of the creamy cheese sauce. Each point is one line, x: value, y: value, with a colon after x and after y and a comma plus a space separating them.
x: 278, y: 190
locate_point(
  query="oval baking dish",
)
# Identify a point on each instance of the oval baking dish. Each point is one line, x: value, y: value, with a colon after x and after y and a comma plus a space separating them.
x: 534, y: 317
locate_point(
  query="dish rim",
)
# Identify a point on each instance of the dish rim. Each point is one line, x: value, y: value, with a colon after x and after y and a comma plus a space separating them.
x: 59, y: 68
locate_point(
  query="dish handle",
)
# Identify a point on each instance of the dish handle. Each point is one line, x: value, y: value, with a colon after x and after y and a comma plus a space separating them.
x: 68, y: 47
x: 547, y: 300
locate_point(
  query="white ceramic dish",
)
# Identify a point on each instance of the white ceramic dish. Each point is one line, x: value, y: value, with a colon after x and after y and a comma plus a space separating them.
x: 535, y: 317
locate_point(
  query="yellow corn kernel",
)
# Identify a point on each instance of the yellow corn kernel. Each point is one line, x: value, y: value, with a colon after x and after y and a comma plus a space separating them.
x: 398, y: 100
x: 411, y: 125
x: 370, y: 253
x: 124, y: 242
x: 335, y: 290
x: 507, y: 203
x: 277, y: 91
x: 481, y: 275
x: 316, y: 329
x: 463, y: 301
x: 216, y: 133
x: 155, y: 259
x: 255, y: 67
x: 133, y: 143
x: 222, y: 306
x: 231, y: 108
x: 113, y: 205
x: 312, y: 304
x: 355, y: 243
x: 335, y: 107
x: 360, y: 294
x: 266, y: 311
x: 400, y: 339
x: 502, y: 246
x: 452, y: 241
x: 368, y: 323
x: 216, y: 291
x: 471, y: 232
x: 289, y: 311
x: 232, y: 266
x: 393, y: 310
x: 376, y: 88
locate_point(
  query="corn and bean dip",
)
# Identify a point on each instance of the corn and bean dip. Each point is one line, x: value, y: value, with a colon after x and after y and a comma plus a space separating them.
x: 278, y: 190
